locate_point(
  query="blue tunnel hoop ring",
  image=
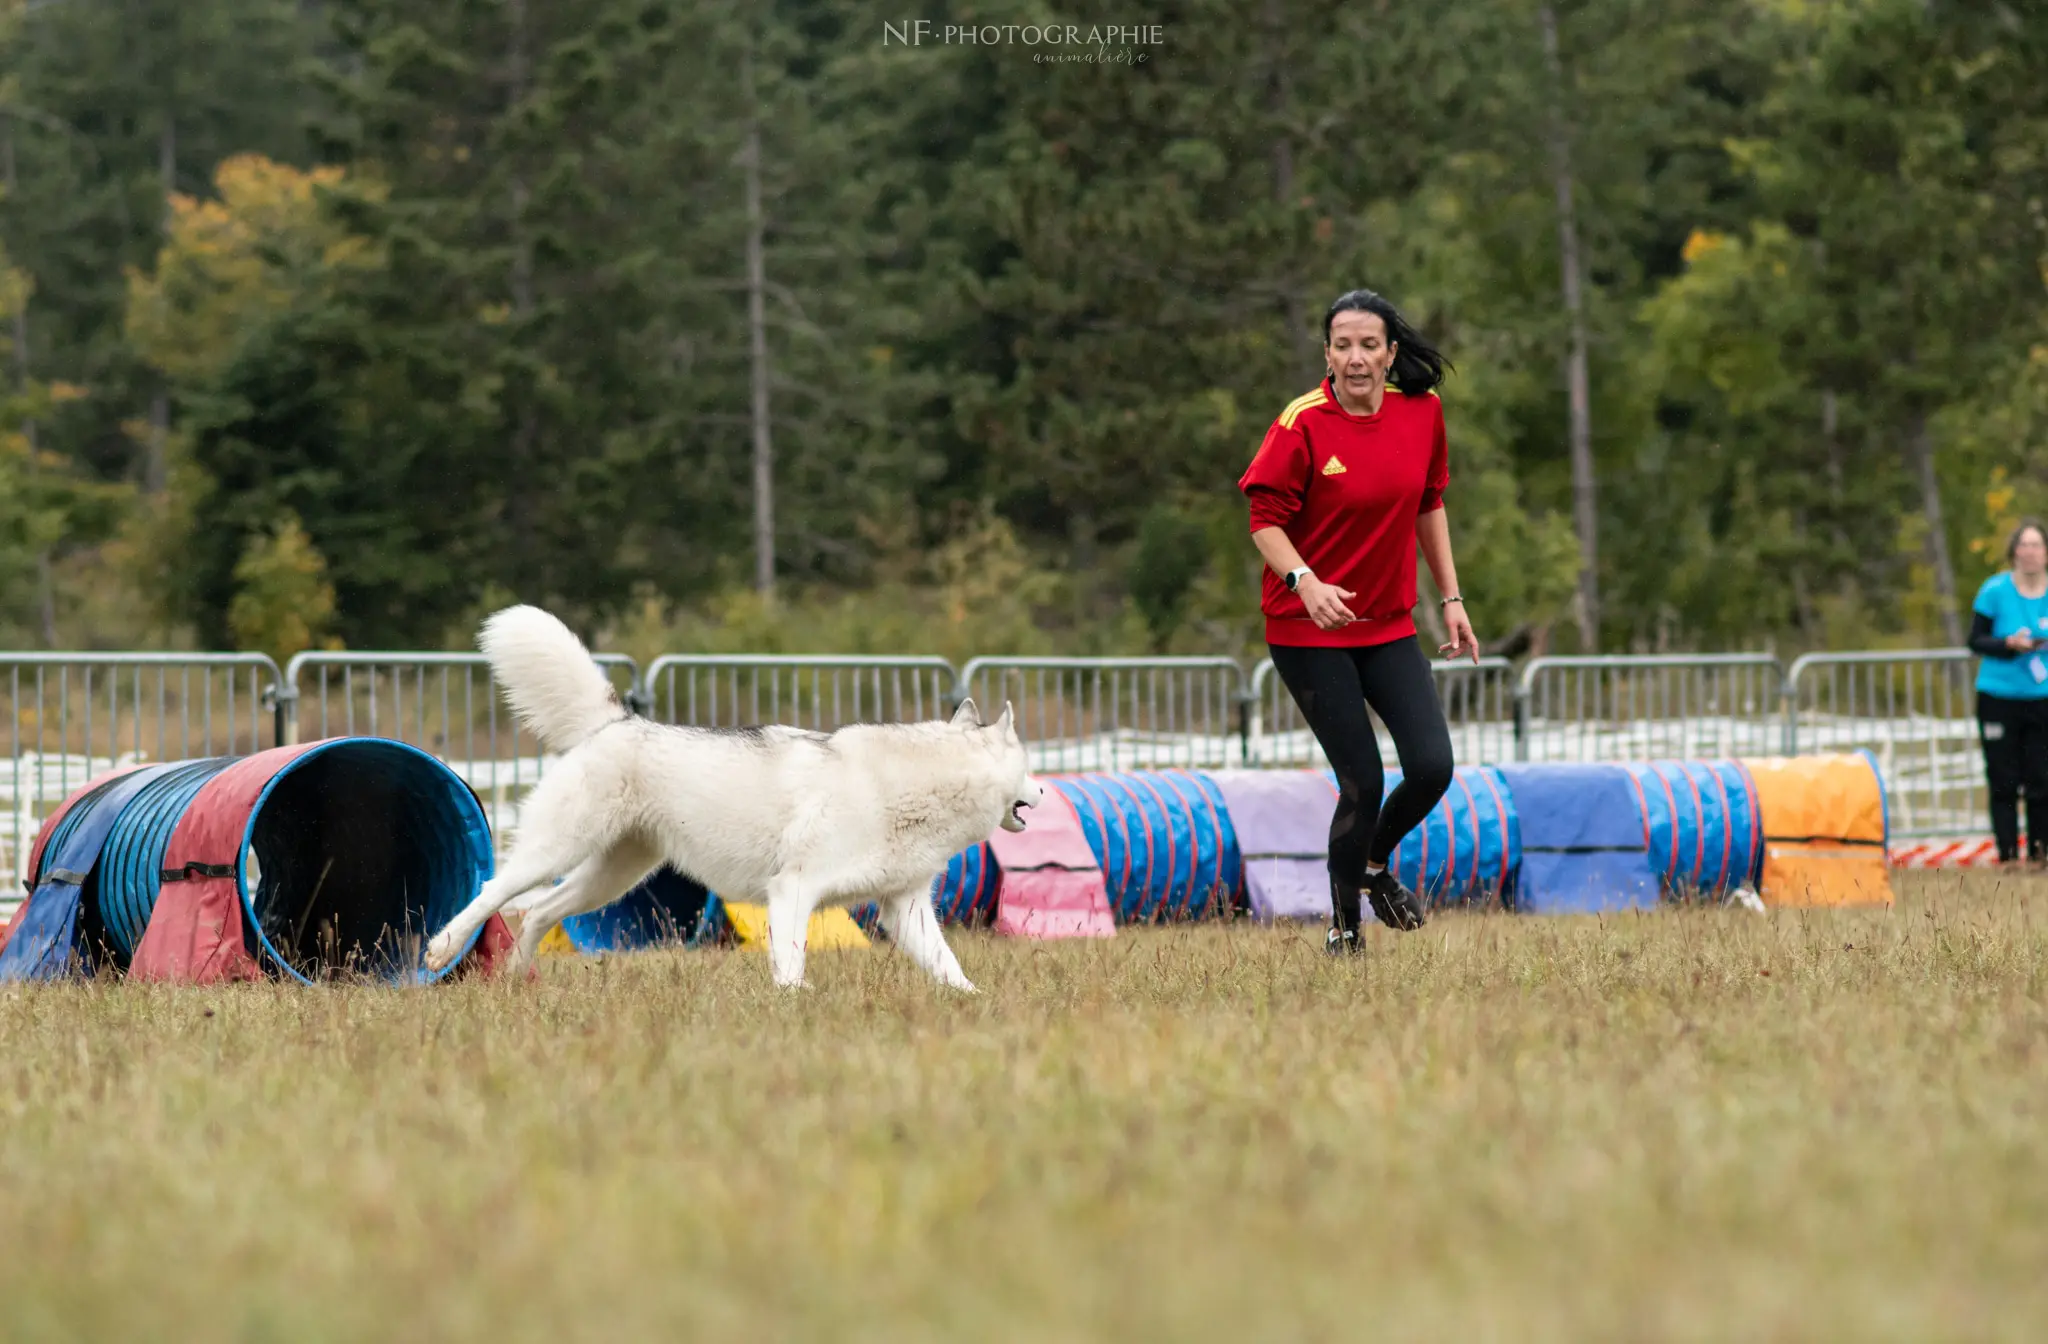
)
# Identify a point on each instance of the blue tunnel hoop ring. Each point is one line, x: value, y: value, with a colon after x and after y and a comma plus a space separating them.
x: 474, y: 838
x: 131, y: 863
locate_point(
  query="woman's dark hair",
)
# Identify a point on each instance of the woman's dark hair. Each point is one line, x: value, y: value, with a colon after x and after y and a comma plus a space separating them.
x: 2012, y: 543
x: 1418, y: 366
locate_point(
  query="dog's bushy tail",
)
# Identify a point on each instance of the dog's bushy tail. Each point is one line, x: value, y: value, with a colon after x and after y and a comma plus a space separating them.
x: 548, y: 676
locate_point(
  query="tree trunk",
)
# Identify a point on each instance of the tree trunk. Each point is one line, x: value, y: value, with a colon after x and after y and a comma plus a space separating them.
x: 167, y: 162
x: 1081, y: 544
x: 1585, y: 514
x: 522, y: 245
x: 46, y: 599
x: 156, y: 469
x: 1803, y: 614
x: 757, y: 340
x: 1293, y: 307
x: 523, y: 479
x: 1830, y: 419
x: 526, y: 430
x: 1920, y: 446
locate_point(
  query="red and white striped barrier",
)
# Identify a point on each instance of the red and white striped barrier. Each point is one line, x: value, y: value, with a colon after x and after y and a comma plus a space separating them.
x: 1974, y: 852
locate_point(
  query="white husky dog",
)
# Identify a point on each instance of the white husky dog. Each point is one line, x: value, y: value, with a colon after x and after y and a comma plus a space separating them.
x: 790, y: 818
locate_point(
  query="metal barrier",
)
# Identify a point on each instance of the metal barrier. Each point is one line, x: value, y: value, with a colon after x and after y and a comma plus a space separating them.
x: 1478, y: 703
x: 1117, y: 713
x: 1914, y: 710
x: 74, y: 715
x: 444, y: 703
x: 816, y: 691
x: 1644, y: 707
x: 71, y: 716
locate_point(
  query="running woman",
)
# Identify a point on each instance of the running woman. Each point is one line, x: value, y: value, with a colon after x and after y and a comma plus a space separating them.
x: 2009, y: 628
x: 1349, y: 478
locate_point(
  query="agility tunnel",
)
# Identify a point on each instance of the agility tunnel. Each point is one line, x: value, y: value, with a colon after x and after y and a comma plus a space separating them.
x: 1281, y: 821
x: 665, y: 908
x: 1468, y: 849
x: 342, y: 856
x: 1162, y: 839
x: 1052, y: 883
x: 745, y: 924
x: 1145, y: 847
x: 1826, y: 830
x: 966, y: 891
x: 1701, y: 824
x: 1585, y: 847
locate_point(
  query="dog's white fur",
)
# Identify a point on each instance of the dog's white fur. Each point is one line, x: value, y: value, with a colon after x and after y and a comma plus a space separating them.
x: 789, y: 818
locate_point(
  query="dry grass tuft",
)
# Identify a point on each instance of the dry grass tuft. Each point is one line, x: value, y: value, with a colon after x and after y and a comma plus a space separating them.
x: 1703, y: 1125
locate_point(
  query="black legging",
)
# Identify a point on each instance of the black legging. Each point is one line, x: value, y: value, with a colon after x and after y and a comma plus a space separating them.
x: 2015, y: 738
x: 1333, y: 688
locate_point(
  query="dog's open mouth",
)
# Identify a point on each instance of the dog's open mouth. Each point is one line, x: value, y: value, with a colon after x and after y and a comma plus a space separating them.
x: 1016, y: 818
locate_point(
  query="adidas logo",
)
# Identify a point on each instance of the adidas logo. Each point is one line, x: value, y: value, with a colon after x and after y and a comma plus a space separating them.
x: 1333, y: 468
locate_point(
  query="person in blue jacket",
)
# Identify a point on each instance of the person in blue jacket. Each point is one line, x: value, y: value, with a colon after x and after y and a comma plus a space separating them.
x: 2009, y: 629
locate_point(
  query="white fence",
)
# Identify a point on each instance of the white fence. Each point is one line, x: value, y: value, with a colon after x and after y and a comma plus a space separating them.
x: 816, y: 691
x: 1916, y: 712
x: 72, y: 716
x: 1106, y: 714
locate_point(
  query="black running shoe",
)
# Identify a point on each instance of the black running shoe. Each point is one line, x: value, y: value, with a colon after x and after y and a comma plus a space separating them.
x: 1396, y: 906
x: 1342, y: 942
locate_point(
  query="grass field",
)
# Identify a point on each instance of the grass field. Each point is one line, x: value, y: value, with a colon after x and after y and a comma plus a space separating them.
x: 1706, y: 1125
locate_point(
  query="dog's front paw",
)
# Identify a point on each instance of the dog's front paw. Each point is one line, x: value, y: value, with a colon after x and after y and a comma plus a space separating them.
x: 440, y: 952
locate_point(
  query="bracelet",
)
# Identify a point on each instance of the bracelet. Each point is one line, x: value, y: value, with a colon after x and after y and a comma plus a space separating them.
x: 1447, y: 601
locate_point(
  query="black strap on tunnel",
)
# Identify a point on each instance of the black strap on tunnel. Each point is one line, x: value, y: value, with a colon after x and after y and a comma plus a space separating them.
x: 195, y: 869
x: 1820, y: 840
x: 65, y: 876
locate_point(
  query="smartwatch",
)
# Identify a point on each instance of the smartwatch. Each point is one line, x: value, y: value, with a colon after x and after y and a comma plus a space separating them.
x: 1295, y: 576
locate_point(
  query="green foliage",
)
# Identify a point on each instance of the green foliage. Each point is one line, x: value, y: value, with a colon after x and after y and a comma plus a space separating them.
x: 463, y: 290
x: 1171, y: 552
x: 46, y: 501
x: 104, y: 94
x: 229, y: 265
x: 283, y: 602
x: 980, y: 592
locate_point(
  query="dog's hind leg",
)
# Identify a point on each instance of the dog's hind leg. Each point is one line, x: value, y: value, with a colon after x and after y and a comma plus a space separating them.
x: 594, y: 885
x: 913, y: 925
x: 789, y: 929
x: 540, y: 854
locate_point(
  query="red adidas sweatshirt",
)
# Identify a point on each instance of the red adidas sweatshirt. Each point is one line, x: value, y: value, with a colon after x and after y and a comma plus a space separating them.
x: 1347, y: 490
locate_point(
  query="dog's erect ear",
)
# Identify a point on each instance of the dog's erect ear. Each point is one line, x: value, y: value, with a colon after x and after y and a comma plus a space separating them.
x: 967, y: 716
x: 1008, y: 722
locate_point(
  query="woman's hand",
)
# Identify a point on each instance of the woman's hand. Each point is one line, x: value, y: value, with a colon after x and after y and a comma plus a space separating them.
x: 1459, y: 626
x: 1325, y: 603
x: 2019, y: 641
